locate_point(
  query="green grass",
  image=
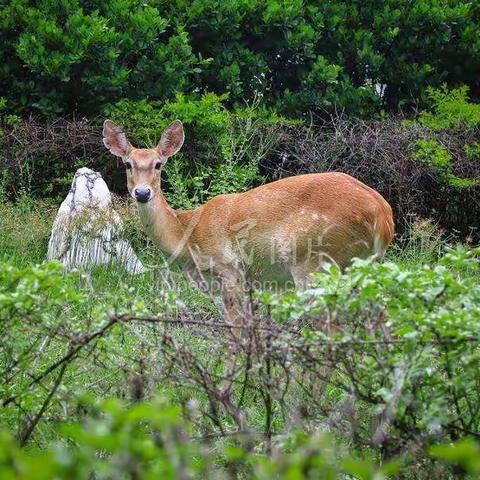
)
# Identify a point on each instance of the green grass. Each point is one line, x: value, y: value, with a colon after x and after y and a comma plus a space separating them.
x: 25, y: 229
x: 110, y: 369
x: 24, y: 233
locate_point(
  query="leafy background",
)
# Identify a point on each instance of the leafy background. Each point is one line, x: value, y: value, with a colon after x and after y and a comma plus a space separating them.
x: 81, y: 56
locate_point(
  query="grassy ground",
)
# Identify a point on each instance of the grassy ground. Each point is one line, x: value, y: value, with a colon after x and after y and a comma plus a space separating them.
x: 113, y: 368
x: 25, y: 229
x: 24, y: 233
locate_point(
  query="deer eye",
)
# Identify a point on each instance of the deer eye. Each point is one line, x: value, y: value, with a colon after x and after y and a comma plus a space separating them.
x: 128, y: 165
x: 158, y: 165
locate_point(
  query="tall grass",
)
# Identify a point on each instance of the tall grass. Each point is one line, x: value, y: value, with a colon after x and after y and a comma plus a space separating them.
x: 133, y: 352
x: 422, y: 242
x: 25, y: 228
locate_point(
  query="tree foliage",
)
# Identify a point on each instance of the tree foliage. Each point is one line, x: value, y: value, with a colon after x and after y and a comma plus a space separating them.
x: 64, y: 56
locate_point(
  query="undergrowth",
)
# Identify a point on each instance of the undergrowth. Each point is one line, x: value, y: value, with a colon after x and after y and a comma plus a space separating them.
x: 138, y: 360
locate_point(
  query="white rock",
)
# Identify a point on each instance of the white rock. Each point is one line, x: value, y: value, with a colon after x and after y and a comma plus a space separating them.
x: 86, y: 229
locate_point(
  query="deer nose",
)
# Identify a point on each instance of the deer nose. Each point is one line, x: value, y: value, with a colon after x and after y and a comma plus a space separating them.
x: 142, y: 194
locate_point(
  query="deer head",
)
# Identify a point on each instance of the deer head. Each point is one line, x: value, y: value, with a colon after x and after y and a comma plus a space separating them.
x: 143, y: 165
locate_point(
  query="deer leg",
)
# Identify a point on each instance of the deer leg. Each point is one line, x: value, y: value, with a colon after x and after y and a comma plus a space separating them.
x: 238, y: 315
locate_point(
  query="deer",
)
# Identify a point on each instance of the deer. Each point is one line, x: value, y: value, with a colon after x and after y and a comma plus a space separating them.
x: 279, y: 232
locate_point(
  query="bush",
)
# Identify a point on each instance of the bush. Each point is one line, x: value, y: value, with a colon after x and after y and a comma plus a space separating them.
x: 222, y: 151
x: 450, y: 109
x: 437, y: 156
x: 39, y: 159
x: 51, y: 324
x: 420, y: 170
x: 405, y: 341
x: 77, y: 56
x: 383, y: 356
x: 145, y: 121
x: 153, y: 441
x: 80, y: 56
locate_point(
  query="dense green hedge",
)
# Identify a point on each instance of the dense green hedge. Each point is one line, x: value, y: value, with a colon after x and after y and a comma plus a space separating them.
x: 57, y: 57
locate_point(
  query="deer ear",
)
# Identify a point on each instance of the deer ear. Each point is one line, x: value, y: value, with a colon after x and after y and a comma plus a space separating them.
x: 172, y: 139
x: 115, y: 139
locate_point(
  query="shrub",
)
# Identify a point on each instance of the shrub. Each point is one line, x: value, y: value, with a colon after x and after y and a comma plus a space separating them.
x: 58, y: 58
x: 222, y: 150
x: 442, y: 184
x: 78, y: 56
x: 384, y: 356
x: 450, y: 109
x: 151, y: 440
x: 39, y: 159
x: 419, y: 171
x: 146, y: 121
x: 405, y: 340
x: 221, y: 153
x: 437, y: 156
x: 49, y: 329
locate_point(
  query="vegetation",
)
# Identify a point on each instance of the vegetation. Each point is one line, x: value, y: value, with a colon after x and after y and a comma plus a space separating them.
x: 420, y: 168
x: 82, y: 56
x: 403, y: 333
x: 372, y: 373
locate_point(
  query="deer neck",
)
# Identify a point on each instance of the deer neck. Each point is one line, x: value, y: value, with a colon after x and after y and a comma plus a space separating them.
x: 162, y: 224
